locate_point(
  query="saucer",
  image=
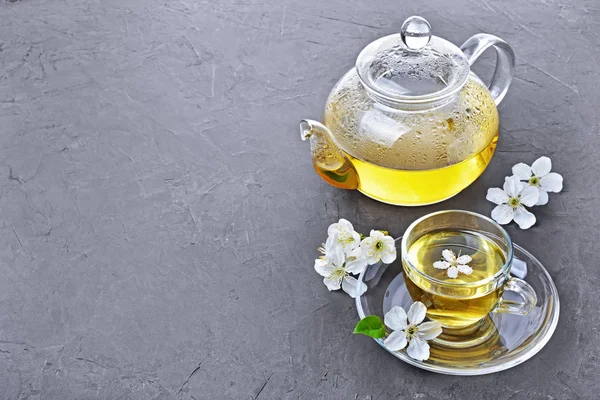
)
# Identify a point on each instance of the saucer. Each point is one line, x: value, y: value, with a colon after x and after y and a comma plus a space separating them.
x: 506, y: 340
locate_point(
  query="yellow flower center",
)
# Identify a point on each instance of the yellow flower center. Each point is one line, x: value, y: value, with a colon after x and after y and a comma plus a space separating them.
x: 339, y: 273
x: 411, y: 331
x: 346, y: 239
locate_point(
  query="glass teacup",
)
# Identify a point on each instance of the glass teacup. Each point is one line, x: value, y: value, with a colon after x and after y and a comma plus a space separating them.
x: 457, y: 263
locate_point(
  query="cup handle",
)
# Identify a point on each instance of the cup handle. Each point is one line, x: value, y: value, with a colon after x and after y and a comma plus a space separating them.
x: 524, y: 290
x: 505, y: 61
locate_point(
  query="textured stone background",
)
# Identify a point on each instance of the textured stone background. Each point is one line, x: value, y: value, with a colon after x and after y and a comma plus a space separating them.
x: 159, y: 214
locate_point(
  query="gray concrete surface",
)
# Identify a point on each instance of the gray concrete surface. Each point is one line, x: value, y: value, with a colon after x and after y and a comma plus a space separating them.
x: 159, y: 214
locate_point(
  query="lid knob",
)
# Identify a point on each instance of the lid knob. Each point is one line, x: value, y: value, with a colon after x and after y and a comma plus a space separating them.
x: 415, y: 32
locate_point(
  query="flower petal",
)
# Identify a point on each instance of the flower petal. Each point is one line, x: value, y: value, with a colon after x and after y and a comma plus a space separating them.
x: 337, y: 257
x: 333, y: 229
x: 341, y: 225
x: 353, y: 287
x: 389, y: 255
x: 367, y: 243
x: 448, y: 255
x: 541, y: 167
x: 357, y: 253
x: 332, y: 241
x: 389, y: 249
x: 503, y: 214
x: 334, y: 252
x: 530, y: 195
x: 345, y: 224
x: 437, y: 264
x: 418, y: 349
x: 465, y: 259
x: 523, y: 171
x: 323, y: 267
x: 429, y: 330
x: 356, y: 265
x: 395, y: 318
x: 376, y: 234
x: 496, y: 196
x: 333, y: 282
x: 513, y: 186
x: 389, y: 241
x: 452, y: 272
x: 552, y: 182
x: 356, y: 262
x: 464, y: 269
x: 416, y: 313
x: 396, y: 341
x: 524, y: 218
x: 543, y: 198
x: 373, y: 258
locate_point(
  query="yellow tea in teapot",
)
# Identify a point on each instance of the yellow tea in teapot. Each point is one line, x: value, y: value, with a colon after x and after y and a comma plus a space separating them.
x: 453, y: 306
x: 411, y: 124
x: 427, y: 157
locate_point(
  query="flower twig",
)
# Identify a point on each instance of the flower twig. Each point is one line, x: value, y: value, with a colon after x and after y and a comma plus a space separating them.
x: 346, y: 254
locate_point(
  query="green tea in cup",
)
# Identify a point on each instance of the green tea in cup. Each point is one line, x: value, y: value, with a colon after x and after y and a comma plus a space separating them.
x: 457, y: 263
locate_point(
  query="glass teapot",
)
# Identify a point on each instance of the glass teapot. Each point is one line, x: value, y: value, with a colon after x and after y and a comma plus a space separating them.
x: 411, y: 124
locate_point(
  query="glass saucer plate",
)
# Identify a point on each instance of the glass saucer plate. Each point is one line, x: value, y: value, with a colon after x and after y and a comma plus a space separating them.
x: 514, y: 339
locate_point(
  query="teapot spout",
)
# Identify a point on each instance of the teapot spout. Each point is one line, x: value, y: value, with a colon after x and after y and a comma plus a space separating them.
x: 330, y: 162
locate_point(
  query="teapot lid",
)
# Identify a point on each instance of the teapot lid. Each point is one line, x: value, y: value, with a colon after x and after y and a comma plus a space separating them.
x: 412, y: 66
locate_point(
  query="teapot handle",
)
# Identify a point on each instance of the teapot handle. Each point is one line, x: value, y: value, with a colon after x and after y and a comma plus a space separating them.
x: 505, y: 61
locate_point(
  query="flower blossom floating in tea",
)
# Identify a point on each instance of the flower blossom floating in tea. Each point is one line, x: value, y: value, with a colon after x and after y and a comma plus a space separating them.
x: 511, y: 202
x: 344, y: 255
x: 379, y: 247
x: 454, y: 265
x: 410, y: 329
x: 539, y: 176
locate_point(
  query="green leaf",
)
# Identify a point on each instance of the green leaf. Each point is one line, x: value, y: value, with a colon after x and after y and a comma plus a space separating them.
x: 371, y: 326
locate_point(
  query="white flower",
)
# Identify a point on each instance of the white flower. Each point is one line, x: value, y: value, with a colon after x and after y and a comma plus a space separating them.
x: 378, y: 247
x: 356, y: 261
x: 333, y: 253
x: 539, y: 175
x: 410, y: 329
x: 454, y: 265
x: 511, y: 202
x: 347, y: 237
x: 335, y: 268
